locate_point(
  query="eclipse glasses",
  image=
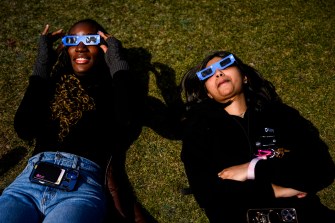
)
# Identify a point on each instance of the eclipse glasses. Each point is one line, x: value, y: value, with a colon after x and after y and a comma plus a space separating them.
x: 221, y: 64
x: 86, y: 39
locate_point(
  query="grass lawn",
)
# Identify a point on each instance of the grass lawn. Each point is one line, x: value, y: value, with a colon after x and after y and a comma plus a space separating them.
x: 291, y: 42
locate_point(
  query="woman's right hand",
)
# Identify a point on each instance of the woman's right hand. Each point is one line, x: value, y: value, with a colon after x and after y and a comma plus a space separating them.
x: 59, y: 33
x: 281, y: 192
x: 47, y: 56
x: 50, y: 38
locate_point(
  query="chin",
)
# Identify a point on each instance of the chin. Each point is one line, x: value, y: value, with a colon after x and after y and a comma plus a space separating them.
x: 80, y: 73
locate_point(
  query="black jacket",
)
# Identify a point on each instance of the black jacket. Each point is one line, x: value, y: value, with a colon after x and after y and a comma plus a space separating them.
x: 99, y: 133
x: 214, y: 140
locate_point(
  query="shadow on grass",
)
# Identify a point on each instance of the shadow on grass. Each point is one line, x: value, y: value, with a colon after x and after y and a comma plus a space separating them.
x: 163, y: 117
x: 10, y: 159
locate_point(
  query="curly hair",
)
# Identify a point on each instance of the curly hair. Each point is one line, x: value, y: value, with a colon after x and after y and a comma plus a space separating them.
x: 258, y: 91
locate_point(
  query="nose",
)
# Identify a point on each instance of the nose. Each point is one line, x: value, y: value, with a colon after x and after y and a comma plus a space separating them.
x: 81, y: 47
x: 219, y: 73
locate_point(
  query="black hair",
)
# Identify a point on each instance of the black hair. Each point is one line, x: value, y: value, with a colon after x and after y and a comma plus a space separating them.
x: 258, y: 91
x: 91, y: 22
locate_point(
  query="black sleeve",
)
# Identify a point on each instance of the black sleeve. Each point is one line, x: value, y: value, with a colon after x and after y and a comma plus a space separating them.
x: 45, y: 59
x: 308, y: 166
x: 33, y: 109
x: 115, y: 56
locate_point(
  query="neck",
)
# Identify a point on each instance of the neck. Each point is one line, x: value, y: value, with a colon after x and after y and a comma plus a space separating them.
x: 237, y: 107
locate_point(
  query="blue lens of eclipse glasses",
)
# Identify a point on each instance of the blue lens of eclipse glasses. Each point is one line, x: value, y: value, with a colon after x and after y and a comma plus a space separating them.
x: 86, y: 39
x: 221, y: 64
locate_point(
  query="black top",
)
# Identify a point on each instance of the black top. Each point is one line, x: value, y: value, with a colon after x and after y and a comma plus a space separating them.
x: 214, y: 140
x: 98, y: 133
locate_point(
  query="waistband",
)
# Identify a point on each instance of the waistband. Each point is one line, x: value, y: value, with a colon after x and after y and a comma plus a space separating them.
x: 67, y: 160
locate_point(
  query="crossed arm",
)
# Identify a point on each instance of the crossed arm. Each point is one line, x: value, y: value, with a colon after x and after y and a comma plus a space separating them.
x: 239, y: 173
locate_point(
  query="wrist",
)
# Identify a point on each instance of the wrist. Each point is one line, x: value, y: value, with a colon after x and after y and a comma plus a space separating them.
x: 276, y: 190
x: 251, y: 168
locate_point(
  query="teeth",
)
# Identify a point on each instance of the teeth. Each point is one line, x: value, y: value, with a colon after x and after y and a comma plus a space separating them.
x: 82, y: 60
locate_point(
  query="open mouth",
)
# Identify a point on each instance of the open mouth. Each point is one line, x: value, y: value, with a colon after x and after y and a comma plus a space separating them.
x: 81, y: 60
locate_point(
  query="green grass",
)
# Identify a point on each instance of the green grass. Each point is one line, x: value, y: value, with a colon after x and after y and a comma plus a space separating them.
x: 290, y: 42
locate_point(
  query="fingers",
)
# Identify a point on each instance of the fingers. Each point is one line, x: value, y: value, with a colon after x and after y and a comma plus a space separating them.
x: 104, y: 48
x: 226, y: 174
x: 103, y: 35
x: 55, y: 35
x: 302, y: 195
x: 287, y: 192
x: 221, y: 174
x: 58, y: 33
x: 238, y: 172
x: 46, y: 29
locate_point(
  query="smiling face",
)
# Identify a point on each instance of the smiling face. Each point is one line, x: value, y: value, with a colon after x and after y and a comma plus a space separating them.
x: 84, y: 58
x: 225, y: 85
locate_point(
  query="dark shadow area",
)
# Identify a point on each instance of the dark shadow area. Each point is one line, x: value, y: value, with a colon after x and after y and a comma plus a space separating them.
x: 163, y: 117
x: 10, y: 159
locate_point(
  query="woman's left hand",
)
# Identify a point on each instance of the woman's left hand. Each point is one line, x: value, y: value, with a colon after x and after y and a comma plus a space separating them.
x: 238, y: 172
x: 105, y: 37
x: 287, y: 192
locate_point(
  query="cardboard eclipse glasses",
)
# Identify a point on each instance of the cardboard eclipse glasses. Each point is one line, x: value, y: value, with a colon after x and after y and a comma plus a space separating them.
x: 86, y: 39
x: 221, y: 64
